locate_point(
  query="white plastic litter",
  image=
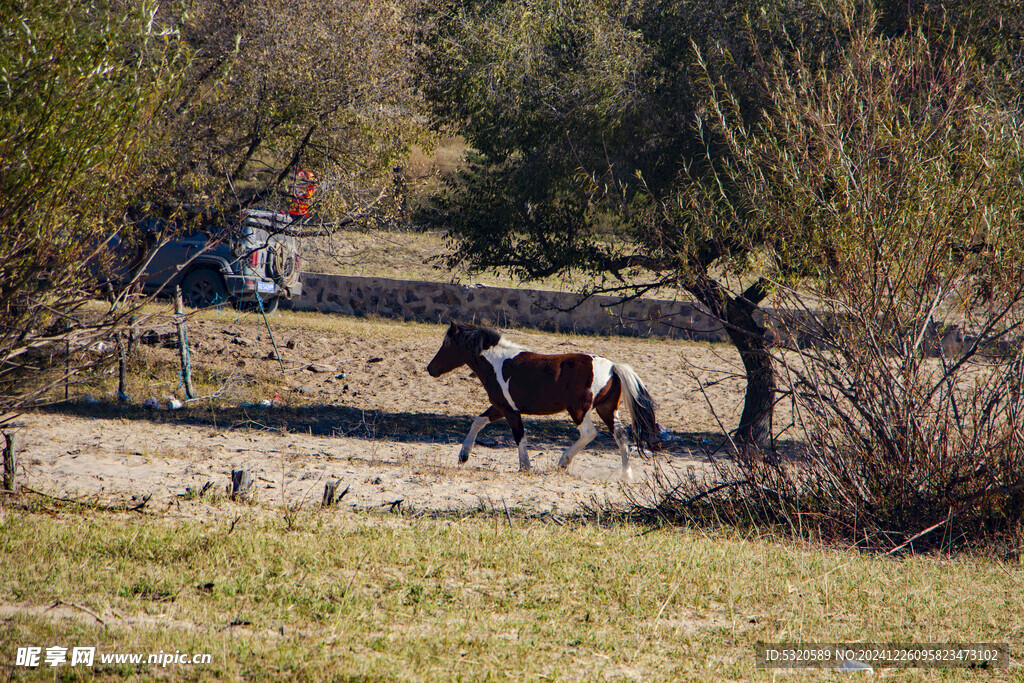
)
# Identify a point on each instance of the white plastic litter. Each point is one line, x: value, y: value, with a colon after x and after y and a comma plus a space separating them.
x: 853, y: 666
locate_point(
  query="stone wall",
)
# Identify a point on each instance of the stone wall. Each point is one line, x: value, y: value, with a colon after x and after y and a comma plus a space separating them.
x: 505, y: 306
x: 567, y: 312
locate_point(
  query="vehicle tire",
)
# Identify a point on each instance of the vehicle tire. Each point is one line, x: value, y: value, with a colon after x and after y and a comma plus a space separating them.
x: 269, y: 305
x: 203, y: 288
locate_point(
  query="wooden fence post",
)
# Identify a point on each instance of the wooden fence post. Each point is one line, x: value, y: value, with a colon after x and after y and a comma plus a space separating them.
x: 10, y: 461
x: 133, y: 337
x: 122, y: 369
x: 183, y: 351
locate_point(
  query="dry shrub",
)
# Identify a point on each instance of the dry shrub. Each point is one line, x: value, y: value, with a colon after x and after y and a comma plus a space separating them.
x: 908, y: 451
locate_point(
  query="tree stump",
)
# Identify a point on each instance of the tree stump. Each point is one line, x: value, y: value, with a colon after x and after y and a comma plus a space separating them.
x: 330, y: 490
x: 241, y: 482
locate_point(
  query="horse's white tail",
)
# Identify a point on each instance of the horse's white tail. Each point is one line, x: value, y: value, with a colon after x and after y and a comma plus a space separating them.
x: 641, y: 407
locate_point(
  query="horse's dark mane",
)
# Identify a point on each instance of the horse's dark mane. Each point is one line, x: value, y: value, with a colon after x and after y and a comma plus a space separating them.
x: 477, y: 339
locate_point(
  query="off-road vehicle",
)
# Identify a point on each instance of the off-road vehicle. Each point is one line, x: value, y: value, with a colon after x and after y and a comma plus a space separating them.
x: 247, y: 260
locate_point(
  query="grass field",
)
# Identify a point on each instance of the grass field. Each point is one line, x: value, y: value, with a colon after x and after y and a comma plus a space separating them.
x: 337, y: 595
x: 407, y: 255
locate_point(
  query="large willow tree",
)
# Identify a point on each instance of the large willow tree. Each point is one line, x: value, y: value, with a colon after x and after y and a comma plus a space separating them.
x: 598, y: 147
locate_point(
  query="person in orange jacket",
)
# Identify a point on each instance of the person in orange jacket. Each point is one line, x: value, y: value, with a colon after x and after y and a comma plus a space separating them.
x: 303, y: 189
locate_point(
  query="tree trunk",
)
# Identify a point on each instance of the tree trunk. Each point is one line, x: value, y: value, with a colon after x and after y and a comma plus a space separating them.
x: 749, y: 338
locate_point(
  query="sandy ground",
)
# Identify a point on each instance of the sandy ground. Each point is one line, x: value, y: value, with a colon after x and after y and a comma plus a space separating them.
x: 357, y: 405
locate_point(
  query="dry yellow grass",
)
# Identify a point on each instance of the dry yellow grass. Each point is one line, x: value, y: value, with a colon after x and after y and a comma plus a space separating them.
x: 356, y: 596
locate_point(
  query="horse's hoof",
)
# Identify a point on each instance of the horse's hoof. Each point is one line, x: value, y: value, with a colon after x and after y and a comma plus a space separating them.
x: 627, y: 475
x: 463, y: 456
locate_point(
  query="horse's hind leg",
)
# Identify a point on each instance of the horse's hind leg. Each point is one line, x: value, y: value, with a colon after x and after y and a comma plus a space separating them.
x: 587, y: 434
x: 623, y: 442
x: 610, y: 415
x: 488, y: 416
x: 515, y: 421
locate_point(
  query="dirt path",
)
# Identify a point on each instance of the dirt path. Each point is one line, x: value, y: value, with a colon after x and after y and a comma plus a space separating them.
x: 360, y: 407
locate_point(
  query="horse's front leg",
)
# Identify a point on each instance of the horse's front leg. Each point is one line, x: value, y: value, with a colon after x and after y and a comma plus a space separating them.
x: 587, y: 434
x: 515, y: 421
x: 488, y: 416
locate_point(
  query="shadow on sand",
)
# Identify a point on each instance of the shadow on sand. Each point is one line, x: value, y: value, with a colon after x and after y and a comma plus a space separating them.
x: 348, y: 421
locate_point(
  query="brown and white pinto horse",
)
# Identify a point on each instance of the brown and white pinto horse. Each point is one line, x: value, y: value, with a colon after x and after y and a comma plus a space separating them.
x: 520, y: 382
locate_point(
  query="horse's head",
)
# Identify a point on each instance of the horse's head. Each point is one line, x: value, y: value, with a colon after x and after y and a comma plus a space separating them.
x: 451, y: 355
x: 462, y: 343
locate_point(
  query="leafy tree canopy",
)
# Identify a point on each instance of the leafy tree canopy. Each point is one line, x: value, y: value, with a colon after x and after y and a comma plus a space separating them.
x: 274, y: 85
x: 588, y: 116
